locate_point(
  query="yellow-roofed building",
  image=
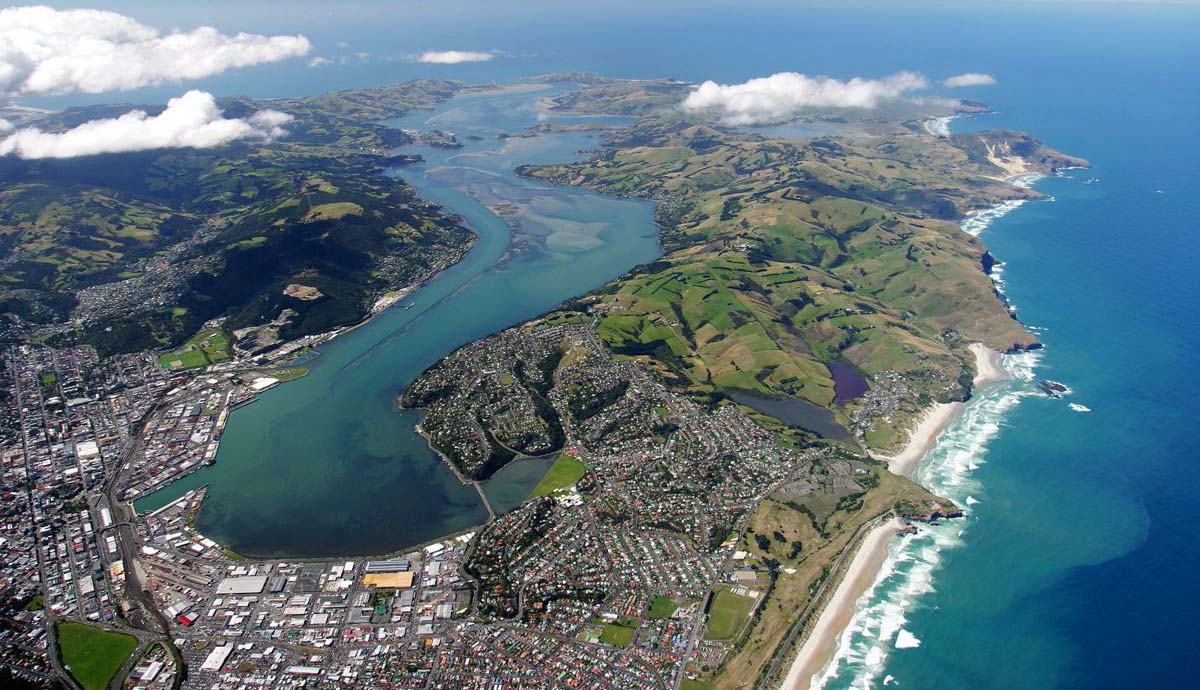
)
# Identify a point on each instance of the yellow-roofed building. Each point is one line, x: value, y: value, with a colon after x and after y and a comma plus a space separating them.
x: 389, y: 580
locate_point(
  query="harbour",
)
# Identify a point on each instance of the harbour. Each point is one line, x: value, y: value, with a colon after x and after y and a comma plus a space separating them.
x: 326, y: 465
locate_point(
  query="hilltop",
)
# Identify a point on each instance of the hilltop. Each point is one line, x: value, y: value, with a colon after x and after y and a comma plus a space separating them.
x: 791, y: 268
x: 134, y: 251
x: 784, y: 257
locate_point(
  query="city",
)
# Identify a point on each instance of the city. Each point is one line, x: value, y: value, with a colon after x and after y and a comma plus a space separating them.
x: 423, y: 370
x: 604, y: 581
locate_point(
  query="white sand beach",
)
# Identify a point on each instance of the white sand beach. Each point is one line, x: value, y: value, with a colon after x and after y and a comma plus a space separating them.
x: 818, y: 648
x: 936, y: 417
x: 987, y: 365
x: 821, y: 643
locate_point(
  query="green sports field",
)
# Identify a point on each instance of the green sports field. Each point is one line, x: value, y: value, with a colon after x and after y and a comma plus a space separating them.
x: 93, y: 655
x: 563, y: 473
x: 727, y: 615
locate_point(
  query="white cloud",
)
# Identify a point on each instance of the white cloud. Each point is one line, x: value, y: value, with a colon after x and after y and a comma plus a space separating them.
x: 454, y: 57
x: 5, y: 125
x: 49, y: 51
x: 321, y: 61
x: 191, y: 121
x: 784, y: 95
x: 969, y: 79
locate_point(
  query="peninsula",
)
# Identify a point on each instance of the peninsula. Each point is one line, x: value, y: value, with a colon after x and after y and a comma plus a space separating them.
x: 718, y: 418
x: 790, y: 269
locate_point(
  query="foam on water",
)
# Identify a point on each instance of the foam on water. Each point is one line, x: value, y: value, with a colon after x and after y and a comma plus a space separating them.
x: 1079, y: 408
x: 907, y: 640
x: 940, y: 126
x: 908, y: 572
x: 978, y: 221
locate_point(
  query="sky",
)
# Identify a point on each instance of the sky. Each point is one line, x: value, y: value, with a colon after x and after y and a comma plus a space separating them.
x: 190, y: 55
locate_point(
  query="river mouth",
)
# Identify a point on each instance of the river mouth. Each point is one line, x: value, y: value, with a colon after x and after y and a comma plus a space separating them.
x: 326, y: 465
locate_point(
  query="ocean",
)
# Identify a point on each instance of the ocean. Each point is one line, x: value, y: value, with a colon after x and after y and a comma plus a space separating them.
x: 1076, y: 565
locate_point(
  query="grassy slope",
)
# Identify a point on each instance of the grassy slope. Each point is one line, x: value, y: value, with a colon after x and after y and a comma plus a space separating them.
x: 565, y: 471
x: 311, y: 206
x: 822, y: 537
x: 93, y: 655
x: 784, y: 256
x: 791, y: 255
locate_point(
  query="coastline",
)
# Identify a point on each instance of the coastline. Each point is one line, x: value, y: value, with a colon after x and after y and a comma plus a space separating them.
x: 937, y: 416
x: 381, y: 304
x: 396, y: 297
x: 939, y: 126
x: 820, y: 648
x: 923, y: 436
x: 820, y: 644
x: 987, y: 365
x: 391, y: 298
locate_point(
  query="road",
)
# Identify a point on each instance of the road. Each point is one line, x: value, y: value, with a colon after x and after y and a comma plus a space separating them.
x: 767, y: 680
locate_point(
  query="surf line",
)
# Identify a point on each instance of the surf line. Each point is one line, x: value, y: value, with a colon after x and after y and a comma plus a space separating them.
x: 863, y: 620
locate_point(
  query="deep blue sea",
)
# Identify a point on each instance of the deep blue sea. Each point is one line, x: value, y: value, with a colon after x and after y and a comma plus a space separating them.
x: 1078, y: 564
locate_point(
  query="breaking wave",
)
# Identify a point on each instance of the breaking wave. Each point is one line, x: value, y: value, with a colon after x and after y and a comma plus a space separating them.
x: 978, y: 221
x: 876, y: 628
x: 877, y: 625
x: 940, y: 126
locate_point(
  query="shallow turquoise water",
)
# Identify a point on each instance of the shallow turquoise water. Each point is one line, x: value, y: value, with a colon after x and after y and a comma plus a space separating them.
x: 1077, y: 567
x: 326, y: 465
